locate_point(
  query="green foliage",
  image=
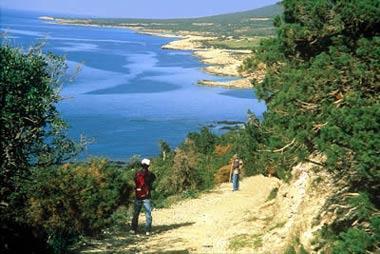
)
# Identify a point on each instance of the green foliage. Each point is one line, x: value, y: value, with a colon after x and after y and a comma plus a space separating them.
x: 32, y: 135
x: 190, y: 168
x: 74, y: 200
x: 241, y: 43
x: 244, y: 240
x: 31, y: 131
x: 375, y: 227
x: 164, y: 149
x: 177, y: 174
x: 363, y: 238
x: 310, y: 28
x: 249, y: 144
x: 302, y: 250
x: 204, y: 141
x: 290, y: 250
x: 312, y: 105
x: 362, y: 205
x: 178, y: 177
x: 295, y: 247
x: 322, y: 92
x: 272, y: 194
x: 184, y: 175
x: 353, y: 241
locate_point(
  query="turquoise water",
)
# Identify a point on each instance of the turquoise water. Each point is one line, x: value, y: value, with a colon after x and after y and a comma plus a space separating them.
x: 130, y: 93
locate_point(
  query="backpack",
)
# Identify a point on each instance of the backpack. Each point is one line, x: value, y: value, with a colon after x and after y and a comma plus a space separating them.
x: 142, y: 188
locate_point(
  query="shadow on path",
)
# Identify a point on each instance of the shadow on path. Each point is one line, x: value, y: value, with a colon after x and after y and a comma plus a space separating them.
x: 162, y: 228
x: 122, y: 241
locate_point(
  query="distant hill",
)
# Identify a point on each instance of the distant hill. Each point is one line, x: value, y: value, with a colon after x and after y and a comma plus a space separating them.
x: 257, y: 22
x: 269, y: 11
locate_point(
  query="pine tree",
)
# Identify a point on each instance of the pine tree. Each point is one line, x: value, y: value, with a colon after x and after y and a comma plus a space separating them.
x: 322, y: 89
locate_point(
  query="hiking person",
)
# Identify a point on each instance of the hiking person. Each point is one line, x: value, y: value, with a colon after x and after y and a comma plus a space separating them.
x: 143, y: 187
x: 235, y: 172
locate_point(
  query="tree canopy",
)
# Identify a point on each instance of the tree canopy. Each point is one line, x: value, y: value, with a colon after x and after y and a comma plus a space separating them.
x: 322, y: 90
x: 32, y: 133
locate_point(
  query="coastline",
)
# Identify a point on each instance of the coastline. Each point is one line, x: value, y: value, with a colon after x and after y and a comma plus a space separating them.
x: 223, y: 62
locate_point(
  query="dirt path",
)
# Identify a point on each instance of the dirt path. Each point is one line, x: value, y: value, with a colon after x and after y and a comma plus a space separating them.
x: 202, y: 225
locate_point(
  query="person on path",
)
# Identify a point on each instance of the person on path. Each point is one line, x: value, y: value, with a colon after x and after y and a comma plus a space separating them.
x: 143, y: 187
x: 235, y: 172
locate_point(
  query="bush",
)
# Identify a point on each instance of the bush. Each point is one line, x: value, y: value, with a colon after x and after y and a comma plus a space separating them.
x: 223, y: 174
x: 204, y: 141
x: 184, y: 175
x: 75, y: 199
x: 352, y: 241
x: 32, y: 135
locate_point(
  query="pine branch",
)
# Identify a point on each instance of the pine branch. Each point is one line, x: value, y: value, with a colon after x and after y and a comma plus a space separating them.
x: 280, y: 149
x: 307, y: 106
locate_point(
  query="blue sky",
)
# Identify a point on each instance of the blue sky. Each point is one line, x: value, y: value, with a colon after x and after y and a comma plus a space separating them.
x: 137, y: 8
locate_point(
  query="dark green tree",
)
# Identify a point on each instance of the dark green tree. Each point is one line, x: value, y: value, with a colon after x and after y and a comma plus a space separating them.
x: 32, y: 133
x: 204, y: 141
x: 164, y: 149
x: 322, y: 91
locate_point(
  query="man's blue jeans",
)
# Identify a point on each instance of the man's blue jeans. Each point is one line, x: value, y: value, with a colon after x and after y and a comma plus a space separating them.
x: 148, y: 214
x: 235, y: 182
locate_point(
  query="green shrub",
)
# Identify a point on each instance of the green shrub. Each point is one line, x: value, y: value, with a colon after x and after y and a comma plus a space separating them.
x: 272, y: 194
x: 362, y: 205
x: 204, y: 141
x: 184, y: 175
x: 244, y: 240
x: 75, y: 199
x: 352, y: 241
x: 290, y: 250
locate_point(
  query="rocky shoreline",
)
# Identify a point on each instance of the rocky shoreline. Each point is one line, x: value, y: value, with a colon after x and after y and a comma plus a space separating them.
x: 224, y: 62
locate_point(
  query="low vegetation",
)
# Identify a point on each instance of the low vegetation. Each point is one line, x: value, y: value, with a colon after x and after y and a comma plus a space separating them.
x: 75, y: 199
x: 245, y: 241
x: 273, y: 194
x: 230, y: 43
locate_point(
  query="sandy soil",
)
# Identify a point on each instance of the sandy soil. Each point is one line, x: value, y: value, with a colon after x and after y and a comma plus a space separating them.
x: 203, y: 225
x: 210, y: 221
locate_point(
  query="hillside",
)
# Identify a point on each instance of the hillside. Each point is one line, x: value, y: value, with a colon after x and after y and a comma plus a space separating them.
x: 257, y: 22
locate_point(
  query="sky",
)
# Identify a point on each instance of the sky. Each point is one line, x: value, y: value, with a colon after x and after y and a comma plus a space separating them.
x: 136, y: 8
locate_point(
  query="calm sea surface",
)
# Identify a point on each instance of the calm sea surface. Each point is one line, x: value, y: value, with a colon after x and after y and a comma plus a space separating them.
x: 129, y: 93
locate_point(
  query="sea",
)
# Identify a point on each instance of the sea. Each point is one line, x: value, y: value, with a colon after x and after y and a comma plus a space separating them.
x: 128, y: 93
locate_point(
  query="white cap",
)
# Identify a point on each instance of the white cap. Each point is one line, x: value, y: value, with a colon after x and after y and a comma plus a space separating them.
x: 146, y: 162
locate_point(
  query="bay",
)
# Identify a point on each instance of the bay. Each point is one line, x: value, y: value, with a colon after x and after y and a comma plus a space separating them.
x: 130, y: 93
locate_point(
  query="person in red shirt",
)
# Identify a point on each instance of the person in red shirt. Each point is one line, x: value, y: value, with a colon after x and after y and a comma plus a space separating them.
x: 143, y: 186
